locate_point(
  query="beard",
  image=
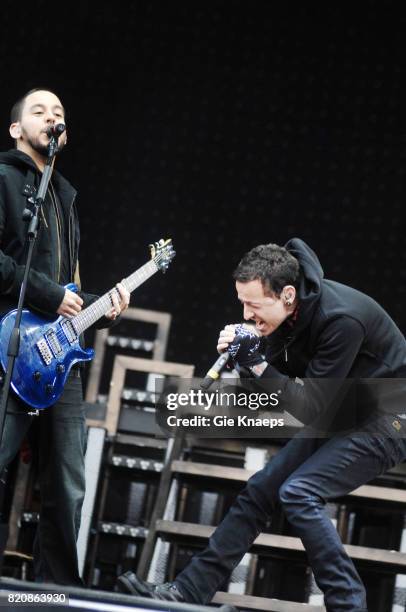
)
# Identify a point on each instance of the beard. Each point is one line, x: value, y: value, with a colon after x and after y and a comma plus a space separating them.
x: 38, y: 146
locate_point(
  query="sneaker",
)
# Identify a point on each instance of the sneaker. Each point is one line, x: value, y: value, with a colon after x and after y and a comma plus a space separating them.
x: 130, y: 583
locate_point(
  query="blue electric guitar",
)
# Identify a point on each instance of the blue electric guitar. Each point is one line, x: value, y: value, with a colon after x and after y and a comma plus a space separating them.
x: 49, y: 349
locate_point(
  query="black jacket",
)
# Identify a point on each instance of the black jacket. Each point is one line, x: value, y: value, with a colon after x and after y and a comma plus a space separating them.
x: 339, y: 333
x: 19, y: 177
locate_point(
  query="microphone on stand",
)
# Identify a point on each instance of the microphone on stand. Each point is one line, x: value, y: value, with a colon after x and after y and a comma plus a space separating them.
x: 214, y: 372
x: 54, y: 131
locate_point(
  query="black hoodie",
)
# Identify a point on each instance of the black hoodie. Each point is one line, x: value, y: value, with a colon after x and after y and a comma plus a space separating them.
x: 339, y: 333
x: 19, y: 177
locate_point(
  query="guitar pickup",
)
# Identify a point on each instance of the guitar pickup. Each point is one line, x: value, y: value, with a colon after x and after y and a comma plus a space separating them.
x: 69, y: 330
x: 53, y: 342
x: 44, y: 351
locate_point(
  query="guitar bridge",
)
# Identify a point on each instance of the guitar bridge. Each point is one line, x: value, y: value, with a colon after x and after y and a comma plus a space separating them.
x: 44, y: 351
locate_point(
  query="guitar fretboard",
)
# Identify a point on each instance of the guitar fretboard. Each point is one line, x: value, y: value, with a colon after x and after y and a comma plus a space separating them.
x: 95, y: 311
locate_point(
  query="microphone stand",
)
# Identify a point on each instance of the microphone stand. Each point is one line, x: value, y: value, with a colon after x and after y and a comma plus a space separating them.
x: 30, y: 215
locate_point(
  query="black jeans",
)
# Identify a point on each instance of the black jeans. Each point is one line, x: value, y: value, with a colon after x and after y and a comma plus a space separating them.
x: 62, y: 440
x: 302, y: 476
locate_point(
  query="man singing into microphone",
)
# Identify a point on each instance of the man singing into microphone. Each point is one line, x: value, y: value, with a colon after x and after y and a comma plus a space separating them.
x: 60, y: 428
x: 322, y: 331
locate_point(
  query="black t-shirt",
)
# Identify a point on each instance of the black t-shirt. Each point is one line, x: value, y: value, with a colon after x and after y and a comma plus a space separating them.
x: 58, y: 222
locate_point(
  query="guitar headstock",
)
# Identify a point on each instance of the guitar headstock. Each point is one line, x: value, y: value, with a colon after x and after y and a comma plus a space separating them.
x: 162, y: 253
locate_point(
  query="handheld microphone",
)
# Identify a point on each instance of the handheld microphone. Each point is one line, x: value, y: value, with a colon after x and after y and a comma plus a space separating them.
x: 214, y: 372
x: 54, y: 131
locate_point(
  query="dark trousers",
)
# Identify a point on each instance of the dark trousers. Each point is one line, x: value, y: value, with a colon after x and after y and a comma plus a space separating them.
x: 303, y: 476
x: 61, y: 447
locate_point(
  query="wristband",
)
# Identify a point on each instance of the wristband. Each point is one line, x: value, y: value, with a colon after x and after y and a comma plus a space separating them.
x: 258, y: 369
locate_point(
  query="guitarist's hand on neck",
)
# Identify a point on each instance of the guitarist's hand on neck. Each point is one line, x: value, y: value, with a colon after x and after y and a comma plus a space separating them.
x: 120, y: 299
x: 70, y: 305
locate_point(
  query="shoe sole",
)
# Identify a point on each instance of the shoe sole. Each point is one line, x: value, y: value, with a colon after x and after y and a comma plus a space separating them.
x: 125, y: 586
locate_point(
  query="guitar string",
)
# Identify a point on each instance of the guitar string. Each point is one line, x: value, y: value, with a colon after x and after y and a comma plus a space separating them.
x: 87, y: 317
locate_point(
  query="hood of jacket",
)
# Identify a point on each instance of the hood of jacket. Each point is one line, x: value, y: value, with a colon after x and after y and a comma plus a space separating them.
x: 310, y: 282
x: 25, y: 163
x: 14, y: 157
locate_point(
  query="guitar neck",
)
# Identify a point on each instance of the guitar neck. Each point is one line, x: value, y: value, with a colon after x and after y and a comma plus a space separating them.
x: 98, y: 309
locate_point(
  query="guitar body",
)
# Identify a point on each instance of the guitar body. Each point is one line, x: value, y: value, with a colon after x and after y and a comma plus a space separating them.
x: 49, y: 349
x: 47, y: 353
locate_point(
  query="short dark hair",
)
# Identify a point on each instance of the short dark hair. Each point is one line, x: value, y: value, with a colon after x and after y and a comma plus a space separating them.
x: 273, y: 265
x: 17, y: 108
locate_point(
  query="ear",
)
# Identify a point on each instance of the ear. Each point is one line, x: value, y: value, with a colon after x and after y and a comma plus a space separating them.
x: 15, y: 130
x: 288, y: 294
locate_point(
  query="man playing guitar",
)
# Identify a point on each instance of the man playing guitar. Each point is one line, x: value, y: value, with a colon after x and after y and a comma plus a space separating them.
x: 61, y: 436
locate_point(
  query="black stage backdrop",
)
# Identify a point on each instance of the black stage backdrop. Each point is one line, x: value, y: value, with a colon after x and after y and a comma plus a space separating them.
x: 223, y: 124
